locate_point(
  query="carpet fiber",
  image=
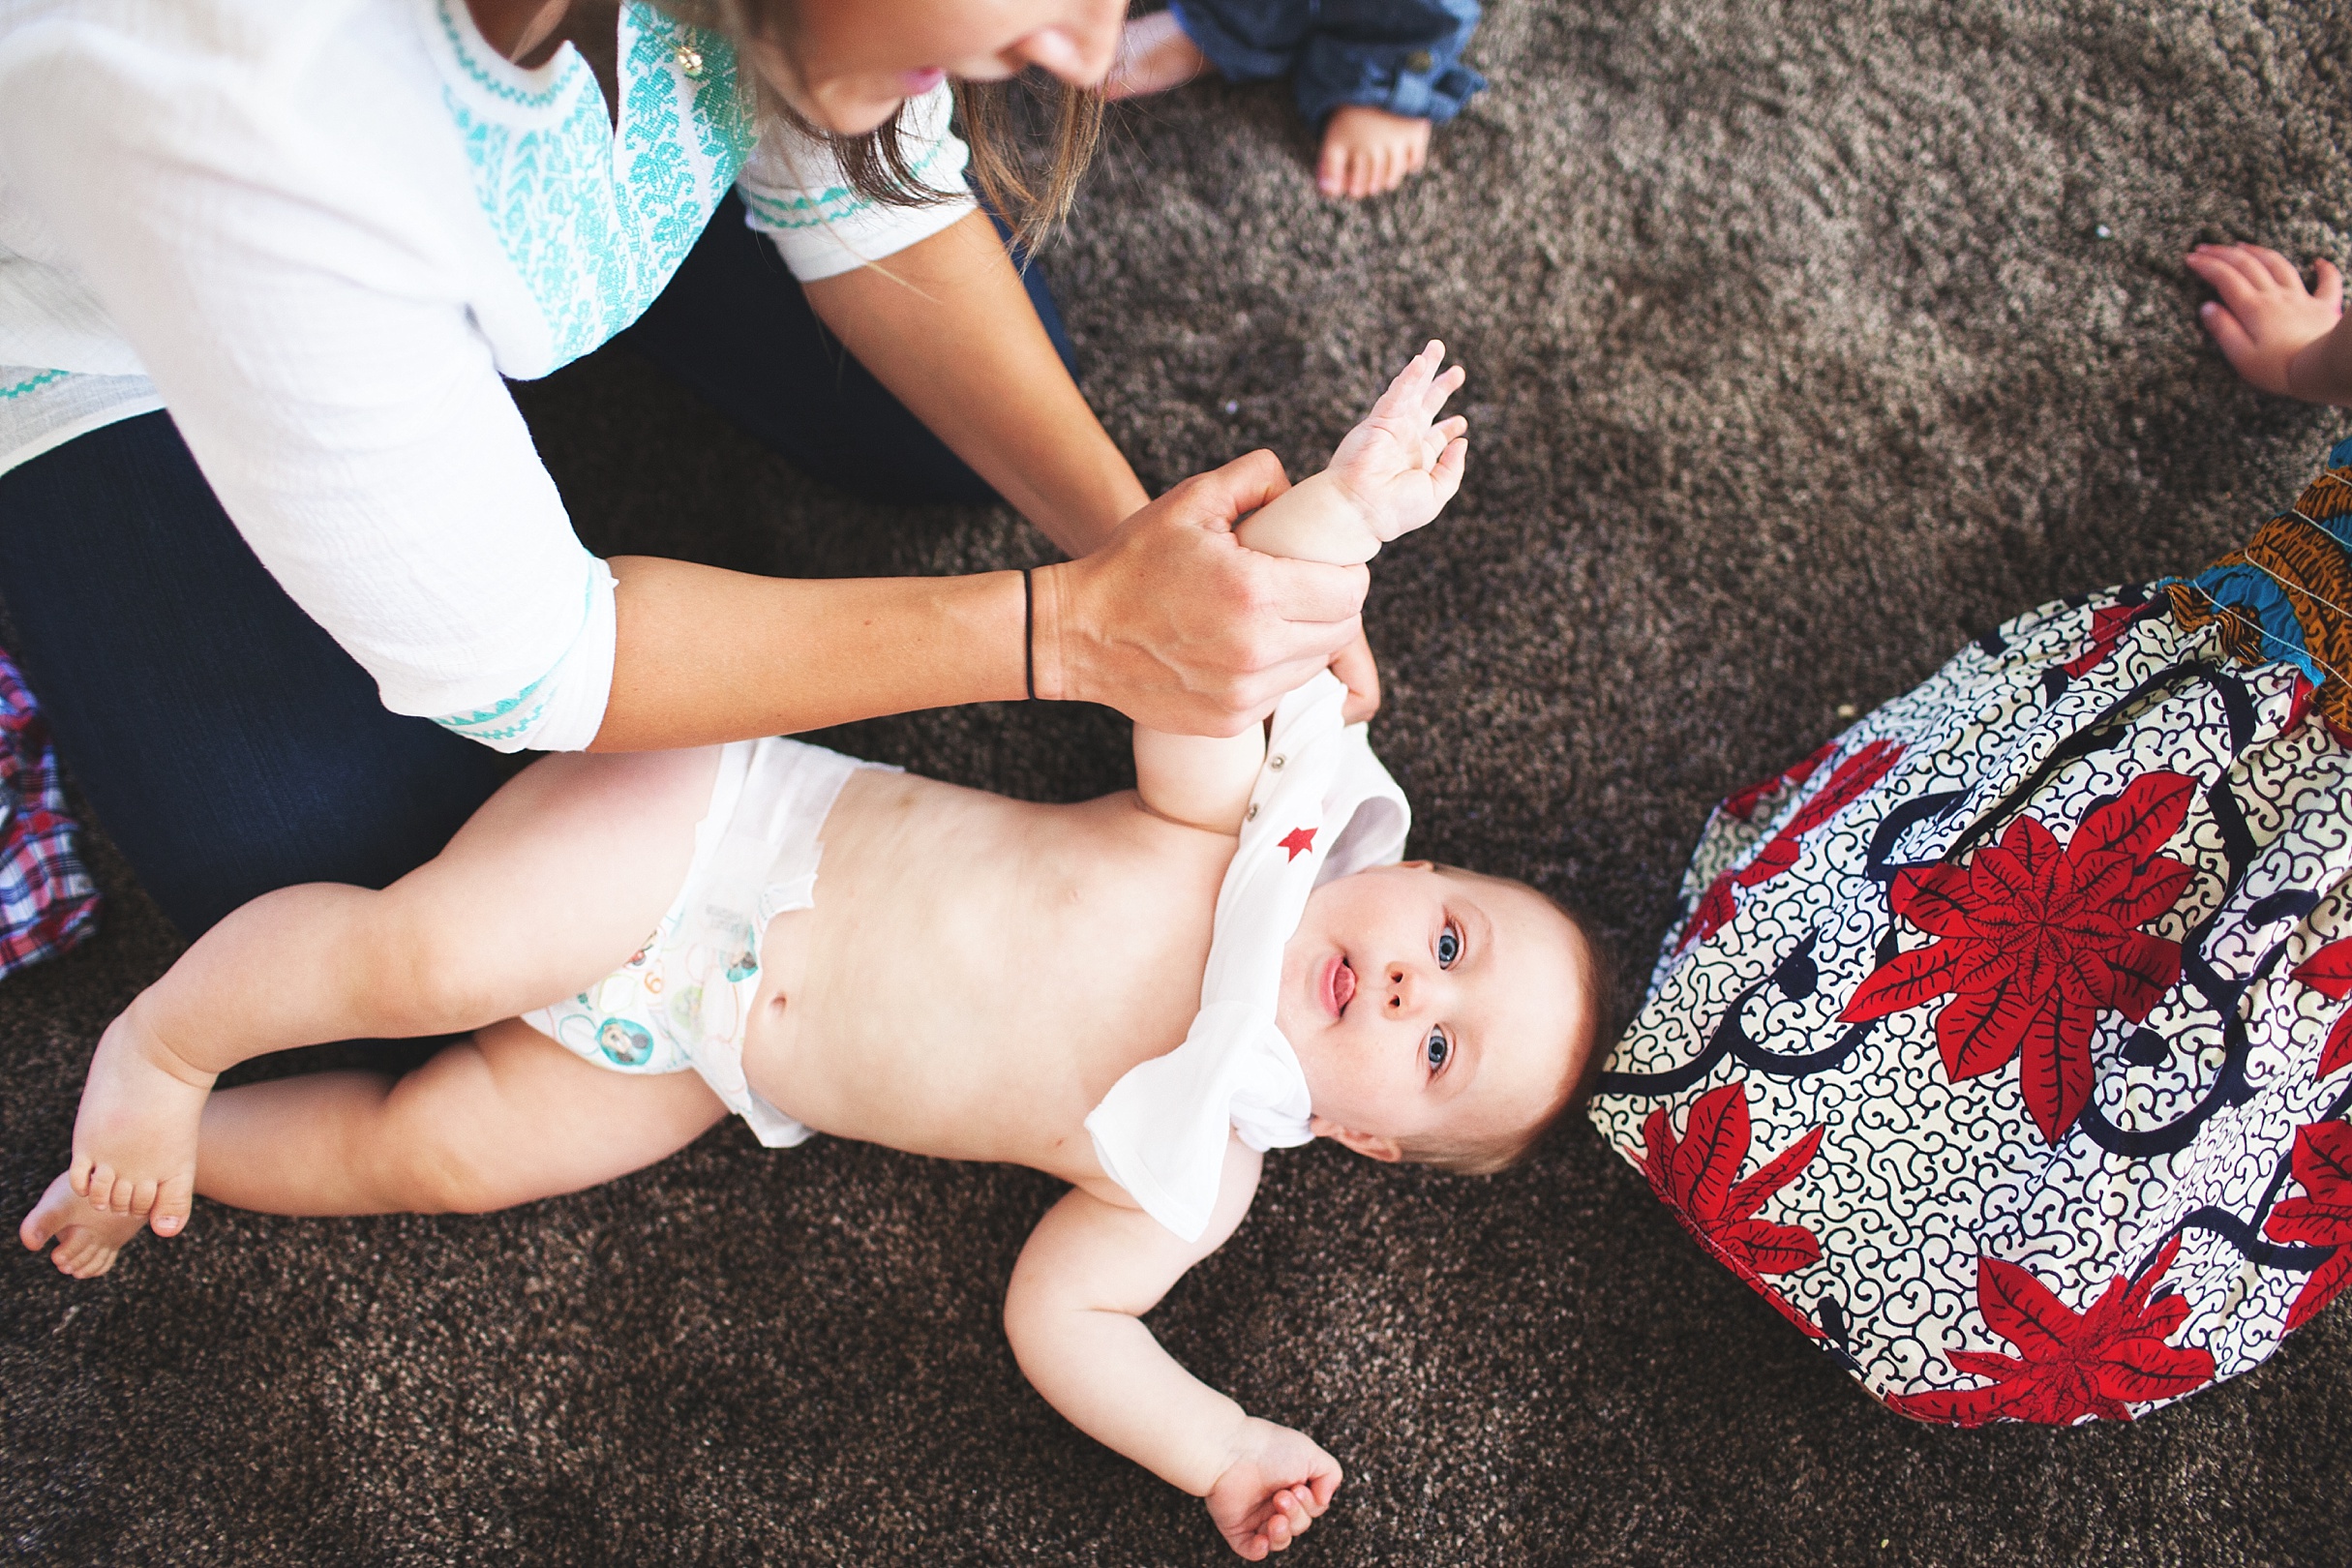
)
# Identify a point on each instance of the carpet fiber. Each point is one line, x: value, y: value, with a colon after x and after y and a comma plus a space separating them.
x: 1808, y: 339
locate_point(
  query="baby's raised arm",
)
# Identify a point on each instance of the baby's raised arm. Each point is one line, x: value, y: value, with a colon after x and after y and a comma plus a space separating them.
x: 1391, y: 475
x: 1073, y: 1313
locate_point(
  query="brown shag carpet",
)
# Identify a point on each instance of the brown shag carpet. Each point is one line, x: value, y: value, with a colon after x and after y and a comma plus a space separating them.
x: 1809, y: 339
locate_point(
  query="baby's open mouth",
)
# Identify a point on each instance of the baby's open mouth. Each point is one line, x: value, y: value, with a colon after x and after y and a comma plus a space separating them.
x: 1339, y: 985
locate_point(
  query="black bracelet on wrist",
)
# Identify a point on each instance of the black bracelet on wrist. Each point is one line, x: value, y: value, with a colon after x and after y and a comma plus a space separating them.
x: 1029, y: 633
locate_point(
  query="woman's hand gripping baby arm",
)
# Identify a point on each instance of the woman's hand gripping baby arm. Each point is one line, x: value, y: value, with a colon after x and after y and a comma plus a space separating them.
x: 1073, y: 1313
x: 1393, y: 473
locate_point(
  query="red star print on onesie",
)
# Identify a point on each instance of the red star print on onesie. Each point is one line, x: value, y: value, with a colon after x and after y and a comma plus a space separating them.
x: 1298, y: 841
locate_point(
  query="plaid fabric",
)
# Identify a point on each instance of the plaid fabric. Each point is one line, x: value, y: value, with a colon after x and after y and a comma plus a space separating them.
x: 47, y: 901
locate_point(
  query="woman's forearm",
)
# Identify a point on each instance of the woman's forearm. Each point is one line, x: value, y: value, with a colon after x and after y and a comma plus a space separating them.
x: 705, y: 655
x: 946, y: 326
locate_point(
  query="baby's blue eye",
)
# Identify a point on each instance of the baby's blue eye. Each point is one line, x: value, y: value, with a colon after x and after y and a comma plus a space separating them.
x: 1438, y: 1048
x: 1449, y: 944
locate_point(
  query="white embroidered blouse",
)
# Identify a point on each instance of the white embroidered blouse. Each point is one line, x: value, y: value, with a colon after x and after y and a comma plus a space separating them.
x: 320, y: 236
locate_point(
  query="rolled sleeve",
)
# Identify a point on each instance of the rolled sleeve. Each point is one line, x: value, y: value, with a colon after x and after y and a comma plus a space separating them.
x: 795, y: 193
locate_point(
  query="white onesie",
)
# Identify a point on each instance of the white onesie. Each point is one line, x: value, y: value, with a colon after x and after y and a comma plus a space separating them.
x: 1322, y: 807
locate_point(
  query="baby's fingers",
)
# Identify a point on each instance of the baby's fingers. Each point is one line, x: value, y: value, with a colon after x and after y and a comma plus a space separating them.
x: 1412, y: 383
x: 2280, y: 269
x: 2228, y: 333
x: 1439, y: 438
x: 1442, y: 388
x: 2331, y: 289
x: 2239, y: 282
x: 1446, y: 478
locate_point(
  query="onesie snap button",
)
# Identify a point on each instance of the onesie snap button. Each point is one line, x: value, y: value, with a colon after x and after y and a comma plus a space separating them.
x: 1250, y: 815
x: 1277, y: 763
x: 1418, y: 60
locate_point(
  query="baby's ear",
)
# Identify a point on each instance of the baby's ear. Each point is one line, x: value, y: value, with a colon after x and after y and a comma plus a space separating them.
x: 1371, y: 1145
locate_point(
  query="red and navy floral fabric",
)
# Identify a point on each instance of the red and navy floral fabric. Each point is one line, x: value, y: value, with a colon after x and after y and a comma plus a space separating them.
x: 2005, y: 1043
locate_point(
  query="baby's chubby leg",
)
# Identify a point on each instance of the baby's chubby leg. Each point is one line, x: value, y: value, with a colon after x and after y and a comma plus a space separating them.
x: 553, y: 884
x: 508, y: 1117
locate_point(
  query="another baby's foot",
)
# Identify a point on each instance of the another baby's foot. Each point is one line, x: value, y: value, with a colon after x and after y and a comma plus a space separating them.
x: 87, y: 1239
x: 1153, y: 56
x: 135, y: 1137
x: 1369, y: 151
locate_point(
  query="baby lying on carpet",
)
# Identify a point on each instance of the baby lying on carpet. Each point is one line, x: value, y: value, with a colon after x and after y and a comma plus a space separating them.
x: 1137, y: 994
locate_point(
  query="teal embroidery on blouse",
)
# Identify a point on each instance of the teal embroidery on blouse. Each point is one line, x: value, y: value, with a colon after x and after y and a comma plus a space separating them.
x: 477, y: 725
x: 32, y: 384
x: 835, y: 201
x: 594, y: 221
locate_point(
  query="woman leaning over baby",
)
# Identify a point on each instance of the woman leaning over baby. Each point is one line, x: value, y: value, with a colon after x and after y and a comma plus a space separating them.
x: 284, y: 565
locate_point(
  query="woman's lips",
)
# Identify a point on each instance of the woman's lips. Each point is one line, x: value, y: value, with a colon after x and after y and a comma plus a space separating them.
x: 1339, y: 985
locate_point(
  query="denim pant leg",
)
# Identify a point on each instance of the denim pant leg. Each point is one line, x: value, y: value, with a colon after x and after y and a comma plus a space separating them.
x: 735, y: 327
x: 228, y: 745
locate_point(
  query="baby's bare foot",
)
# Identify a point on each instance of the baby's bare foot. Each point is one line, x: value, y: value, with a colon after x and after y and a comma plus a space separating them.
x: 1153, y: 56
x: 1369, y: 151
x: 135, y: 1137
x: 87, y: 1239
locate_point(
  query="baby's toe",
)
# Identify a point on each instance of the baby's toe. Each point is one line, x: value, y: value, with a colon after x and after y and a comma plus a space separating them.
x: 172, y: 1203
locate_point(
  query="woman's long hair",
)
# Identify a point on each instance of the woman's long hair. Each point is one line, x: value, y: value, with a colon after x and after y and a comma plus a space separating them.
x: 1029, y: 178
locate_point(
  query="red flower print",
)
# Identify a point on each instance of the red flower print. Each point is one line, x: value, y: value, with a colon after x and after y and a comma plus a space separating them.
x: 2036, y: 940
x: 2323, y: 1163
x: 1298, y: 841
x: 2068, y: 1364
x: 2329, y: 971
x: 1743, y: 804
x: 2108, y: 623
x: 1696, y: 1177
x: 1854, y: 779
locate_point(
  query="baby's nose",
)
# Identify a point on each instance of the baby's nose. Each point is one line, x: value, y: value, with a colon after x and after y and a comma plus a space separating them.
x: 1400, y: 989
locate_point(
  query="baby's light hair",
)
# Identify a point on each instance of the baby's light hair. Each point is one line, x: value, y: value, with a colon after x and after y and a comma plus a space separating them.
x: 1492, y: 1156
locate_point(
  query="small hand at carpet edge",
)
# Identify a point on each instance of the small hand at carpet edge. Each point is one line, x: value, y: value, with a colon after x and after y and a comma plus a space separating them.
x: 1277, y: 1483
x: 134, y: 1136
x: 1399, y: 468
x: 2265, y: 317
x: 87, y: 1241
x: 1369, y: 151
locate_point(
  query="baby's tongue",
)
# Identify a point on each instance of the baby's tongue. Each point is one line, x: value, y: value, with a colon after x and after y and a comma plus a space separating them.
x: 1342, y: 984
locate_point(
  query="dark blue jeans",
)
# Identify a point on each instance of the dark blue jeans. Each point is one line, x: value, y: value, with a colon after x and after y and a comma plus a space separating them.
x: 226, y: 744
x: 1403, y: 56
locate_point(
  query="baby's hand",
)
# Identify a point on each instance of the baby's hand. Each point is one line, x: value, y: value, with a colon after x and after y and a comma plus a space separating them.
x: 2264, y: 316
x: 1277, y: 1484
x: 1398, y: 468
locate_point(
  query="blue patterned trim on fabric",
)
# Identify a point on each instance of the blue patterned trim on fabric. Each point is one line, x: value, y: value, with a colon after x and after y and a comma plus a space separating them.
x: 834, y: 202
x: 484, y: 723
x: 34, y: 383
x: 2250, y: 593
x: 596, y: 221
x: 477, y: 725
x: 490, y: 84
x: 2256, y: 596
